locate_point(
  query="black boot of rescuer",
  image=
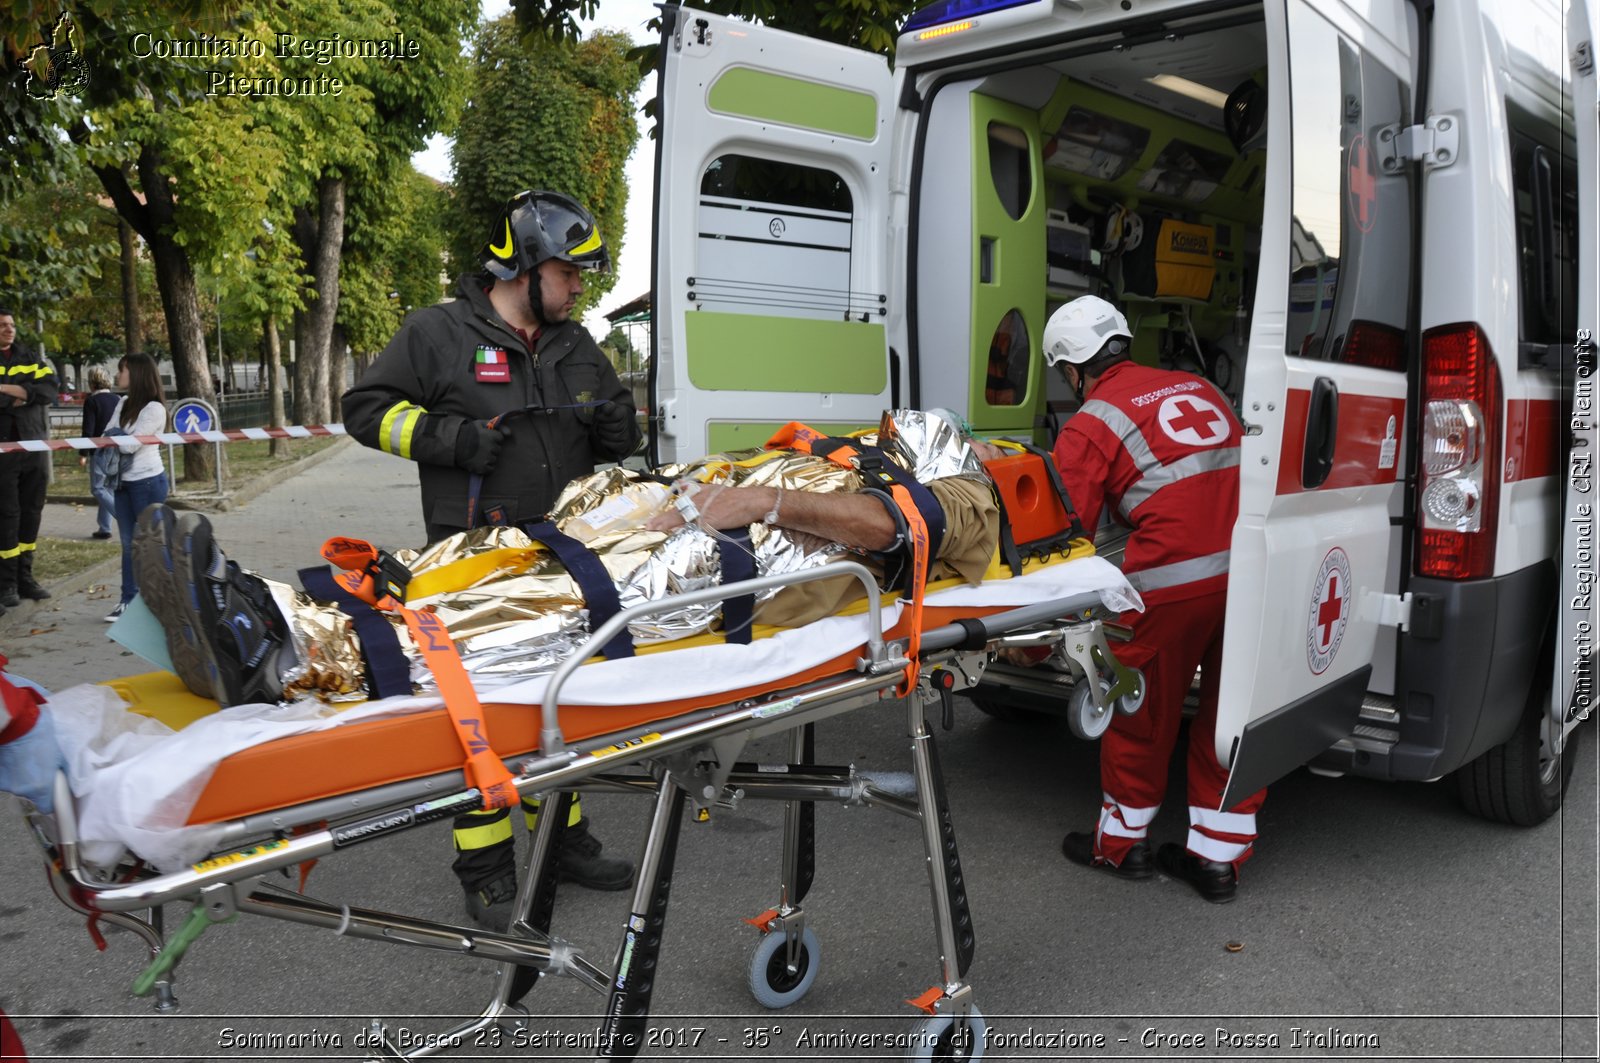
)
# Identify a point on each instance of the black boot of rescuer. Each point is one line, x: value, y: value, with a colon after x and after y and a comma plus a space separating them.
x: 1215, y: 881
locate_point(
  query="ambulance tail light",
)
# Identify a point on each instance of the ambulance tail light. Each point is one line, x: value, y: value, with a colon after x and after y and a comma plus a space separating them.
x: 1460, y: 474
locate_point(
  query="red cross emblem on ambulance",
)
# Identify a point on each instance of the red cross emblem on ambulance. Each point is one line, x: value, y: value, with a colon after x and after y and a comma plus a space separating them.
x: 1193, y: 421
x: 1362, y: 180
x: 1331, y: 597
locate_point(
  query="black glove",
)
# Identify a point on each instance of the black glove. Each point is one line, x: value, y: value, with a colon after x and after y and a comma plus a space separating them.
x: 614, y: 428
x: 478, y: 446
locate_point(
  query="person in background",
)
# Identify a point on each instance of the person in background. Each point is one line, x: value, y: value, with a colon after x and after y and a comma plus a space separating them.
x: 98, y: 409
x: 1159, y: 450
x: 142, y: 412
x: 501, y: 398
x: 27, y: 388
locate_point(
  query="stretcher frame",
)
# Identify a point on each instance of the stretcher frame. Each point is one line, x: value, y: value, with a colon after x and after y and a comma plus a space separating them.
x: 687, y: 760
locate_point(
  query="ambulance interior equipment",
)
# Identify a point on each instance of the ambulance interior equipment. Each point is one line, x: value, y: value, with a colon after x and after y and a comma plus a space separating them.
x: 206, y: 814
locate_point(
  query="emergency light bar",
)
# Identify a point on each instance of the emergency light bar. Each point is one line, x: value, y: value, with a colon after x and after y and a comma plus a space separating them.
x: 937, y: 14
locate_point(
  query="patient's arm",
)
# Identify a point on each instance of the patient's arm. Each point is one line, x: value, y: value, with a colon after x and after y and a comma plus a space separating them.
x: 854, y: 520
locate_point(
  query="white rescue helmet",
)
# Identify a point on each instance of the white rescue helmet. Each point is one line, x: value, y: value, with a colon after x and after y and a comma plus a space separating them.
x: 1076, y: 332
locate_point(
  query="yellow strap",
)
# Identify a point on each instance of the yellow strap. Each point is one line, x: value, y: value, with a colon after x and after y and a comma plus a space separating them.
x: 470, y: 571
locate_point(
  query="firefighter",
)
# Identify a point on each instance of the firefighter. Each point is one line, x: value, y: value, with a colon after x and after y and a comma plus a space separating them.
x: 1159, y: 450
x: 27, y: 388
x: 501, y: 398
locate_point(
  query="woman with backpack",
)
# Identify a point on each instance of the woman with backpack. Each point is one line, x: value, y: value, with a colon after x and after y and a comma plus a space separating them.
x: 141, y: 481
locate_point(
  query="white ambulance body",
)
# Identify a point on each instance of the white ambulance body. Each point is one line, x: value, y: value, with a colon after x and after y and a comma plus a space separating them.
x: 1372, y: 222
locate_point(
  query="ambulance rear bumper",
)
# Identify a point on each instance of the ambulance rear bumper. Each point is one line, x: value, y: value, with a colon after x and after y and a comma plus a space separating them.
x: 1466, y: 668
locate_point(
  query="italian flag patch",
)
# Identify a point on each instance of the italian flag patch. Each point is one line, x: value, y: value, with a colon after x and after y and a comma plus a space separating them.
x: 491, y: 366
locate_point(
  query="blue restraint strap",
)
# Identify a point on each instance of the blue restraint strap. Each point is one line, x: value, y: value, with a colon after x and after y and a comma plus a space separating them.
x: 738, y: 563
x: 388, y: 671
x: 599, y: 593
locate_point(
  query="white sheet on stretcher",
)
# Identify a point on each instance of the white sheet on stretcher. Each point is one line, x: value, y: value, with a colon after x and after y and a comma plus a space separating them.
x: 136, y: 780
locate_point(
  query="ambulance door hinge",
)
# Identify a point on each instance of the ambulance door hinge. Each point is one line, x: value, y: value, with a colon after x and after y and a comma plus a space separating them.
x: 1395, y: 611
x: 1435, y: 144
x: 1583, y: 58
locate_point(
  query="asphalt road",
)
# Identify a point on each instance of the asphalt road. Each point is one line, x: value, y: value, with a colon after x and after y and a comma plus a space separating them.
x: 1380, y: 912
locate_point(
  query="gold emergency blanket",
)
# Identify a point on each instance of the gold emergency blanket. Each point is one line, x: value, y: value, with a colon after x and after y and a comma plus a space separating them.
x: 514, y: 610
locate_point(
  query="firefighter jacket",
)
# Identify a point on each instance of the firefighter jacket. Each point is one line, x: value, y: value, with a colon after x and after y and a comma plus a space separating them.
x: 1159, y: 450
x: 460, y: 361
x: 22, y: 366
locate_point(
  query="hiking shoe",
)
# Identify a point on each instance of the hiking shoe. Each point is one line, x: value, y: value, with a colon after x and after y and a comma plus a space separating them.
x: 156, y: 574
x: 1079, y: 848
x: 490, y: 907
x: 1215, y: 881
x: 233, y: 614
x: 583, y: 864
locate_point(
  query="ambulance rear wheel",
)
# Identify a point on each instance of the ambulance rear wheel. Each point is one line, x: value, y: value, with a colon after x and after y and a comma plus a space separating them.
x: 772, y: 983
x: 1087, y: 720
x: 1521, y: 781
x: 941, y: 1037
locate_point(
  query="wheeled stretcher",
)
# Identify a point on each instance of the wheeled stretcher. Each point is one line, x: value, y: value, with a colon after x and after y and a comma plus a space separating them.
x: 354, y: 780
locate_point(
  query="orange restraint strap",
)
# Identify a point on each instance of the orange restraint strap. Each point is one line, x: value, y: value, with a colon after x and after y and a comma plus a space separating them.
x: 797, y: 436
x: 363, y: 577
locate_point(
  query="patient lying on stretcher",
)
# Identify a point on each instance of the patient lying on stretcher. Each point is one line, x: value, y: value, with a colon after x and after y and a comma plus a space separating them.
x: 514, y: 609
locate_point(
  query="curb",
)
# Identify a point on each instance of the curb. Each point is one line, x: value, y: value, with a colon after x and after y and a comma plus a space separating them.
x: 111, y: 568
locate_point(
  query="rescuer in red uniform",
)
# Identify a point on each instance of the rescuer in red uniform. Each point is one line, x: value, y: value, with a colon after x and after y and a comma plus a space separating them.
x: 1160, y: 450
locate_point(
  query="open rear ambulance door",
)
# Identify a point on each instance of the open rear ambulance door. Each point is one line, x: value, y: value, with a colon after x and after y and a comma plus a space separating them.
x: 1573, y: 690
x: 1325, y: 389
x: 771, y: 290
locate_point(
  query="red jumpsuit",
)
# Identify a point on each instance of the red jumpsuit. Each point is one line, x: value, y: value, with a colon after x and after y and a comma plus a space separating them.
x: 1160, y: 451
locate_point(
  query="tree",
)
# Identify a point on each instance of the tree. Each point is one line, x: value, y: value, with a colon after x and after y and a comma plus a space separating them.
x: 543, y: 114
x: 196, y: 164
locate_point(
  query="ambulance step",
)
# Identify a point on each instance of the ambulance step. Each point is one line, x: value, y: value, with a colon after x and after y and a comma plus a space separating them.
x: 1377, y: 727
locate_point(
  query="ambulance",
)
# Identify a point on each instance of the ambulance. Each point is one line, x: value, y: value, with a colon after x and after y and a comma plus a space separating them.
x: 1372, y: 223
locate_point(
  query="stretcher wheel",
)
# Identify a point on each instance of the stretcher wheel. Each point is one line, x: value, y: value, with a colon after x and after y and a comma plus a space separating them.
x: 1087, y: 721
x: 938, y: 1037
x: 771, y: 982
x: 1128, y: 704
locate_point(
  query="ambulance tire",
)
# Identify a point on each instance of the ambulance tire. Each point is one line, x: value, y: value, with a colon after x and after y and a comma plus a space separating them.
x: 935, y: 1038
x: 771, y: 982
x: 1513, y: 782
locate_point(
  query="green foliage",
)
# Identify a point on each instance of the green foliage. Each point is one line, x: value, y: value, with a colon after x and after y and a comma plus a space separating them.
x: 543, y: 114
x: 55, y: 241
x: 393, y: 258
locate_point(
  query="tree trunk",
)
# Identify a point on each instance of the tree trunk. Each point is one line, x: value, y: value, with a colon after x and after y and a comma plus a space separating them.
x: 132, y: 333
x: 320, y: 237
x: 186, y: 333
x: 152, y: 218
x: 278, y: 448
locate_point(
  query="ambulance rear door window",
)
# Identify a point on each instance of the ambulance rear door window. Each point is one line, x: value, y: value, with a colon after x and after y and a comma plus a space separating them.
x: 1351, y: 251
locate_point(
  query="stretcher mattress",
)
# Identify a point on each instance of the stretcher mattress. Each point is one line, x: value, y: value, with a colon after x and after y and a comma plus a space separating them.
x: 164, y: 791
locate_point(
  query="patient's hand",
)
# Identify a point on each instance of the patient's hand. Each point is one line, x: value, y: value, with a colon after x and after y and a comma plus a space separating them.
x: 720, y: 506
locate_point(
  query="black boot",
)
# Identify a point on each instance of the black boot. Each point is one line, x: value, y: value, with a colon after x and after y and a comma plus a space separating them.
x: 583, y: 863
x: 1217, y: 882
x: 27, y: 586
x: 8, y: 583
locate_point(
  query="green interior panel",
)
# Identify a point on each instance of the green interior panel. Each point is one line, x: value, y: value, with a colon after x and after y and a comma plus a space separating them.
x: 763, y: 352
x: 794, y: 102
x: 1018, y: 267
x: 738, y: 435
x: 1237, y: 198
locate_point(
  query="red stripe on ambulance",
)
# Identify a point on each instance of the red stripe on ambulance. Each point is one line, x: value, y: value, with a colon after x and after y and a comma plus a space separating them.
x: 1360, y: 455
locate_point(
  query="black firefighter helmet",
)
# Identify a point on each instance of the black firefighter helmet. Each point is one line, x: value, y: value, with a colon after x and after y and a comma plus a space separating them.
x: 539, y: 225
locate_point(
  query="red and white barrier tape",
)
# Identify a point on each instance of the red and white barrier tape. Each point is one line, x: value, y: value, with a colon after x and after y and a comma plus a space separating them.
x: 222, y: 435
